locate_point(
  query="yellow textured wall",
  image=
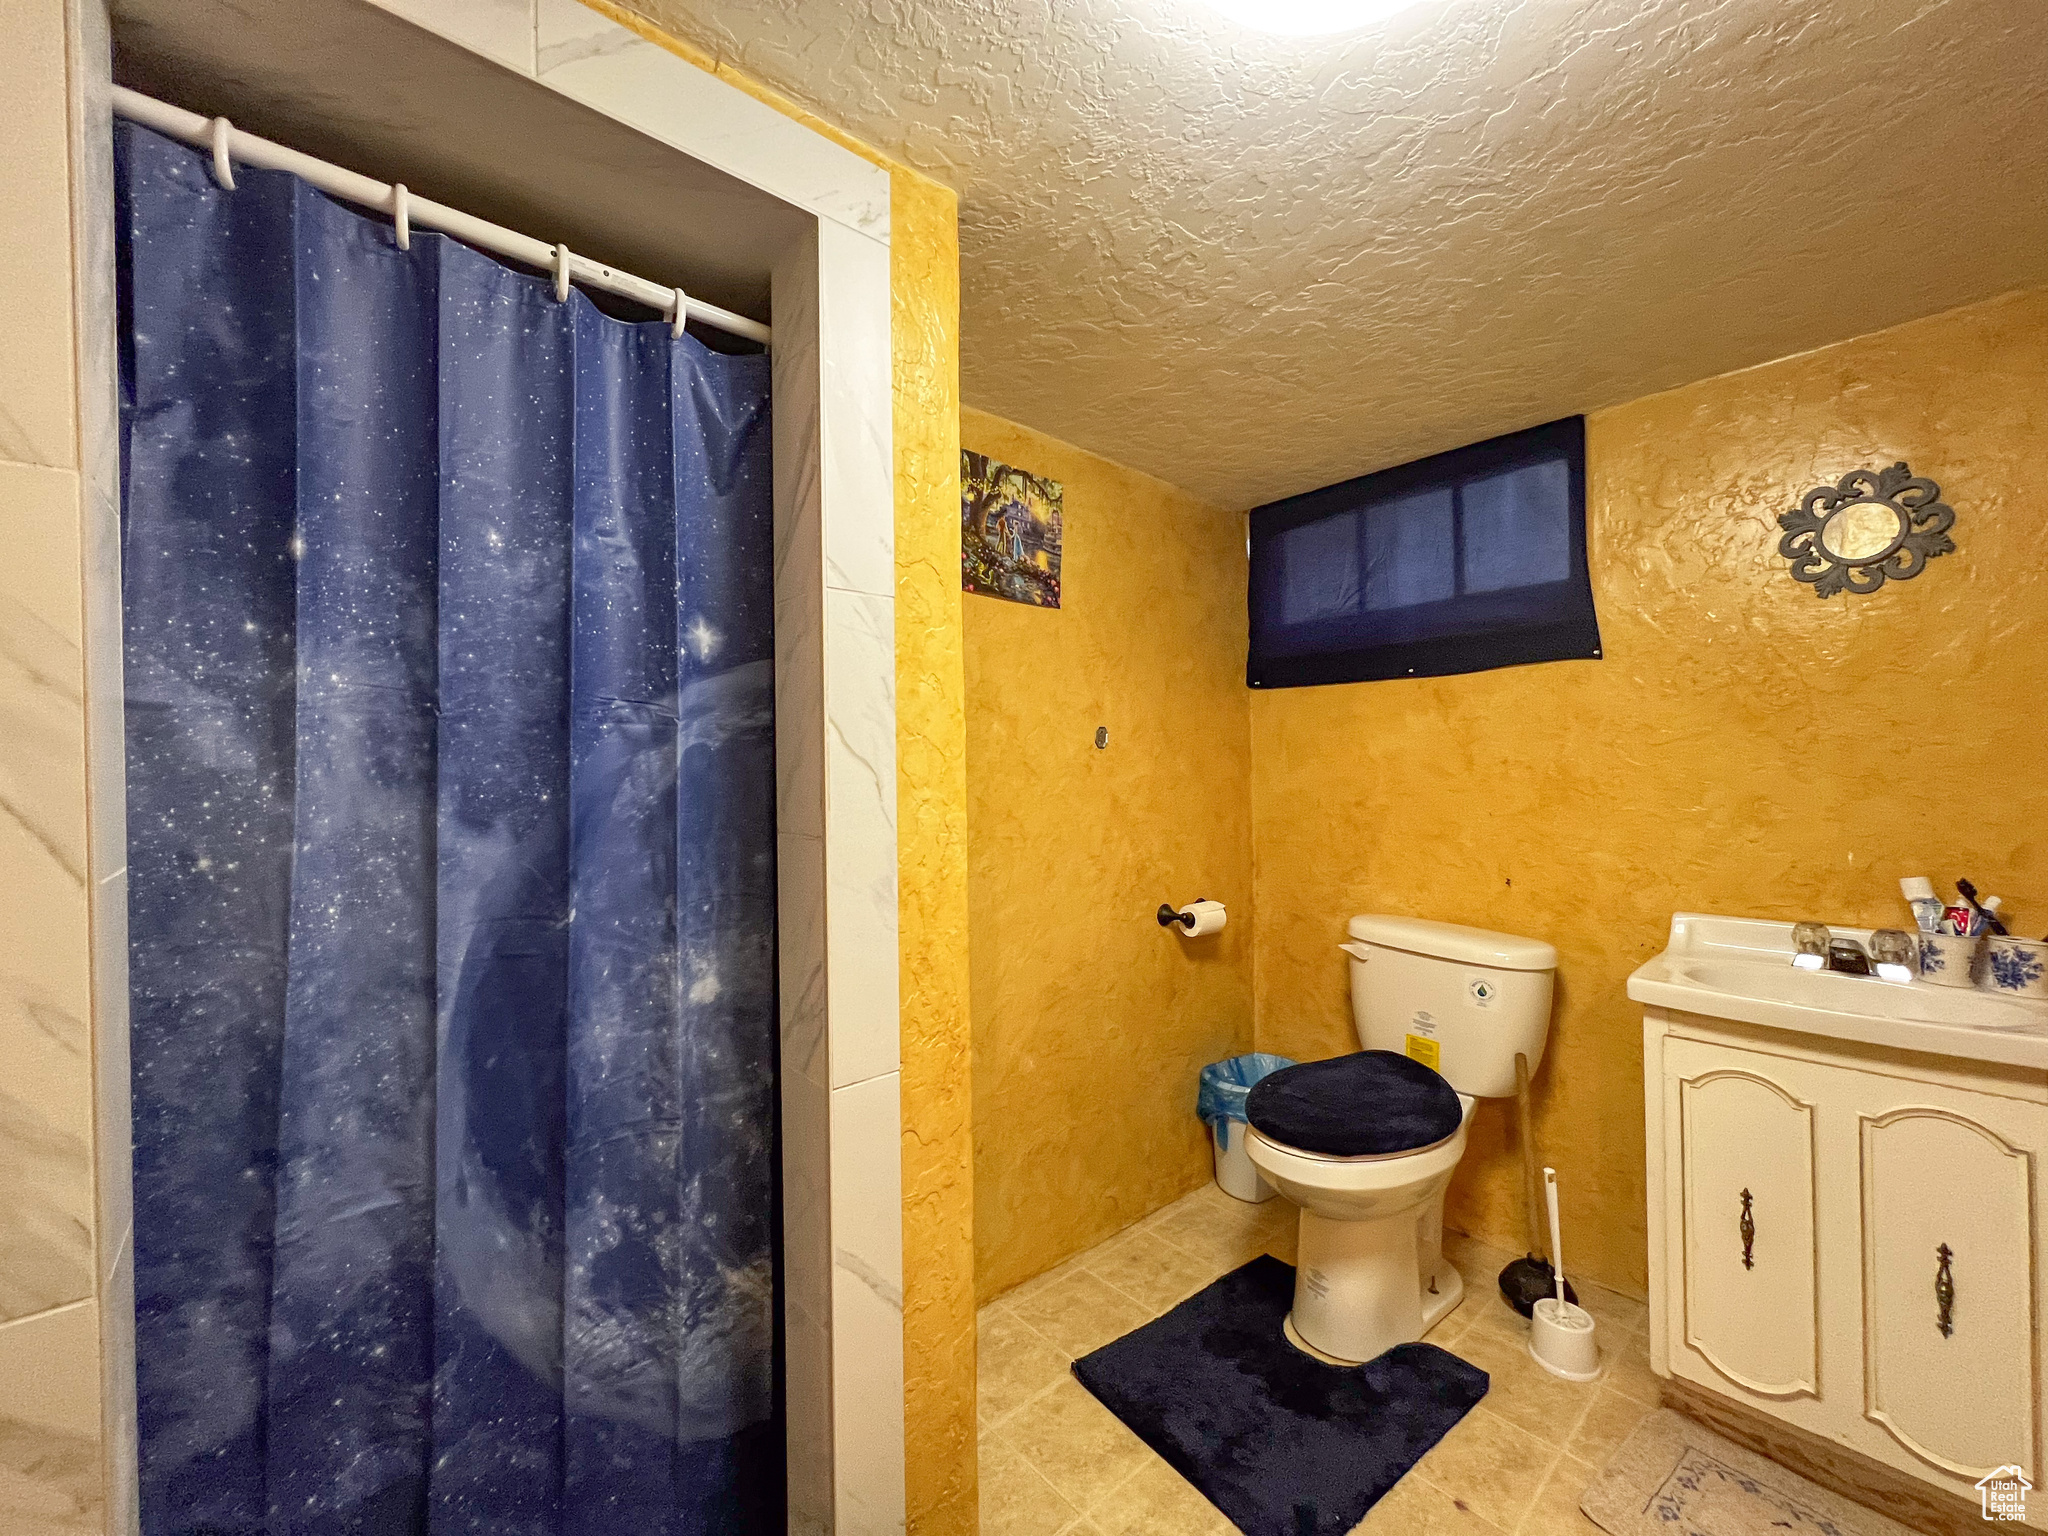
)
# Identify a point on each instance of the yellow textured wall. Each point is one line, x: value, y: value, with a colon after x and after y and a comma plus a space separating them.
x: 931, y: 789
x: 931, y: 809
x: 1091, y: 1022
x: 1744, y: 747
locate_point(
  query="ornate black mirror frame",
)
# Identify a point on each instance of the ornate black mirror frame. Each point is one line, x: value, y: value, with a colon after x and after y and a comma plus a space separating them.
x: 1884, y: 524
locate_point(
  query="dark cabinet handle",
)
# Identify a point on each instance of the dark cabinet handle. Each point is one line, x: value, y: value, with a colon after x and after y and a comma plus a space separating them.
x: 1944, y: 1293
x: 1748, y: 1234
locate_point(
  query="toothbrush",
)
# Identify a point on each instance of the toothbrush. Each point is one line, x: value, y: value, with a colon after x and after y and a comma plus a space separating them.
x: 1990, y: 919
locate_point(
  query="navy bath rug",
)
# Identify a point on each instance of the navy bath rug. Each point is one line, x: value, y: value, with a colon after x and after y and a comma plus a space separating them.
x: 1280, y: 1442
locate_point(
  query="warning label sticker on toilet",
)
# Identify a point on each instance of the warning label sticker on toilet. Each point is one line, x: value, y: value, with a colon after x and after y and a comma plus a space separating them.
x: 1422, y: 1039
x: 1421, y: 1042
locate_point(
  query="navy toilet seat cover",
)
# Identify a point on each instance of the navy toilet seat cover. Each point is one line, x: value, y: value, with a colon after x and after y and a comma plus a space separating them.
x: 1371, y: 1104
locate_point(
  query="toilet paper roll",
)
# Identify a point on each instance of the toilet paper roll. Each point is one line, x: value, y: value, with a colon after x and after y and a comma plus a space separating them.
x: 1208, y: 915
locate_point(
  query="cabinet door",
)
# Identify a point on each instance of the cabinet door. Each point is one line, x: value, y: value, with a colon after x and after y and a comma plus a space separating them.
x: 1948, y: 1283
x: 1746, y: 1149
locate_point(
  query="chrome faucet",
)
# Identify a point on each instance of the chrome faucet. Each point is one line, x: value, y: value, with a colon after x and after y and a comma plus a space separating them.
x: 1816, y: 949
x: 1847, y: 956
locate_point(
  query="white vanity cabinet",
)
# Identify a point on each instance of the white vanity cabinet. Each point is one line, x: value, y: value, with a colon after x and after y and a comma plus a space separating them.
x: 1847, y: 1235
x: 1746, y: 1155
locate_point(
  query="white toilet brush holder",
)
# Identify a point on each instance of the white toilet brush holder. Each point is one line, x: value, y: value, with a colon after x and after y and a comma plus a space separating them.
x: 1561, y: 1335
x: 1561, y: 1339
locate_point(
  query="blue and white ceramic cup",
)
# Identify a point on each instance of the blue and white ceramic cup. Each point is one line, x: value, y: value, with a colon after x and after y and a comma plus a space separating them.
x: 2015, y: 967
x: 1947, y: 959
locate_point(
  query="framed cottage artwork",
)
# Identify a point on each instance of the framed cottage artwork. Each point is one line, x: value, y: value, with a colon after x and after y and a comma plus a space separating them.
x: 1009, y: 532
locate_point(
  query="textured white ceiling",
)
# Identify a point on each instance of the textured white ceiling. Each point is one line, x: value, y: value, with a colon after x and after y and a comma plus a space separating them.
x: 1253, y: 265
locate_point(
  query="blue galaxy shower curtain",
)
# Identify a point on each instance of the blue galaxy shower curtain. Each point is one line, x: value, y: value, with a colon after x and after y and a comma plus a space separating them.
x: 451, y: 850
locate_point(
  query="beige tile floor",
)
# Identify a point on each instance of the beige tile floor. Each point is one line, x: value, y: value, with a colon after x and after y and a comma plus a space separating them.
x: 1054, y: 1462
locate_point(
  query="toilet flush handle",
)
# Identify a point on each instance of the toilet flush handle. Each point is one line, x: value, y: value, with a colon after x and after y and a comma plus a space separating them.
x: 1357, y: 951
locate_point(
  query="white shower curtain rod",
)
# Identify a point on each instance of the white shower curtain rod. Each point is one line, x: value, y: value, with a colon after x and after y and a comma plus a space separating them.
x: 230, y: 144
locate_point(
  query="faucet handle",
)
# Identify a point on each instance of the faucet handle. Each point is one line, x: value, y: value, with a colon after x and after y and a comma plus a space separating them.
x: 1894, y: 954
x: 1810, y: 943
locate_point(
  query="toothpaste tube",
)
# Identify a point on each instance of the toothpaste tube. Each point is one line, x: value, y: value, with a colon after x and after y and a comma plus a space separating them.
x: 1919, y: 893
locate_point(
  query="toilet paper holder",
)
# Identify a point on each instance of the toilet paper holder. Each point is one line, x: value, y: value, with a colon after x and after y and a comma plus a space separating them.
x: 1168, y: 916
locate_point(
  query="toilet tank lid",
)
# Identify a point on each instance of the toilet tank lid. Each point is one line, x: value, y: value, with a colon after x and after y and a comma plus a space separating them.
x: 1453, y: 941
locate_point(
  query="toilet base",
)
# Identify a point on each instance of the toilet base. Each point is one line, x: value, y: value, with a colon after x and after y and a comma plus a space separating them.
x: 1442, y: 1298
x: 1359, y: 1288
x: 1449, y: 1292
x: 1294, y: 1337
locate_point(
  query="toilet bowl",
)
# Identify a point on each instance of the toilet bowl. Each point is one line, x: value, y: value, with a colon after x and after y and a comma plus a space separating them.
x: 1366, y: 1145
x: 1370, y: 1267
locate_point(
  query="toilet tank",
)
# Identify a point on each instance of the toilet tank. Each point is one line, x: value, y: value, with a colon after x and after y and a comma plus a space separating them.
x: 1461, y: 1000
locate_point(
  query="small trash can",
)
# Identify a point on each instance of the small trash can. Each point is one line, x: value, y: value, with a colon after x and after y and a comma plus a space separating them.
x: 1220, y: 1104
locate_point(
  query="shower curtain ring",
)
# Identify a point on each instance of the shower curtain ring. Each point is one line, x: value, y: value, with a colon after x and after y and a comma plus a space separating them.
x: 401, y: 214
x: 680, y: 316
x: 561, y: 274
x: 223, y: 168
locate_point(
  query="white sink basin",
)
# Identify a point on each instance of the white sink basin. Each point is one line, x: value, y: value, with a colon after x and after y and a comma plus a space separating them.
x: 1741, y: 968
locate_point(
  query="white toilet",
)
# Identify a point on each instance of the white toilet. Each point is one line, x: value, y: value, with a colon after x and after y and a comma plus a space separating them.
x: 1366, y: 1144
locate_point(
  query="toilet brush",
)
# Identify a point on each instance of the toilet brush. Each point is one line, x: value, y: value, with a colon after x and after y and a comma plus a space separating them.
x: 1560, y: 1334
x: 1528, y: 1280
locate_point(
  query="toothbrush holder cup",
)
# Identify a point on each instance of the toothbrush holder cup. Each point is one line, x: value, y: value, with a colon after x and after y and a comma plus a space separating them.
x: 2015, y: 967
x: 1949, y: 959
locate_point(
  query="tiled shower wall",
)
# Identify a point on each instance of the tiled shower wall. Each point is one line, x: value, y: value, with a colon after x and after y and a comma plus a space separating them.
x: 63, y: 1241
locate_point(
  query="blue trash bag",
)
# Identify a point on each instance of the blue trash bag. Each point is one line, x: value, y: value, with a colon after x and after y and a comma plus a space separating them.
x: 1224, y: 1085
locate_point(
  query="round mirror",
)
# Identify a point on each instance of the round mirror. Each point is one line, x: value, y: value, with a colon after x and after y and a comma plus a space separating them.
x: 1869, y: 527
x: 1859, y: 531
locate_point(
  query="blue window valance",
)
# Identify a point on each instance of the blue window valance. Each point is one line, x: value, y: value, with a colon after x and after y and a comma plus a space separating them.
x: 1460, y: 562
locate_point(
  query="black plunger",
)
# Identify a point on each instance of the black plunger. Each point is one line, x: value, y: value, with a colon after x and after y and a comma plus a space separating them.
x: 1528, y: 1280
